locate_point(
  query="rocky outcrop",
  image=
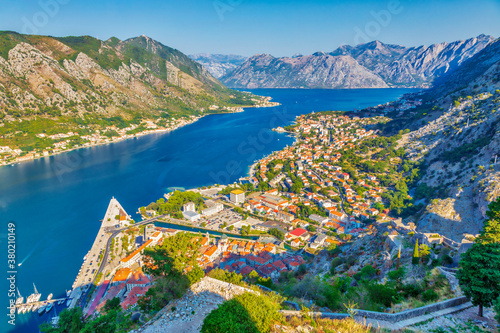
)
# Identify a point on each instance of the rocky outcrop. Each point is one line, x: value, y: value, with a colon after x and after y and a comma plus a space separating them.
x: 371, y: 65
x: 460, y: 147
x: 186, y: 315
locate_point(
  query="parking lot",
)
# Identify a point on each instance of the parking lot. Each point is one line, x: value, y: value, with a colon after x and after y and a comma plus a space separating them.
x: 216, y: 221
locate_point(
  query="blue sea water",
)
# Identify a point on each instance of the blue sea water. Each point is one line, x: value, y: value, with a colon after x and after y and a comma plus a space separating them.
x: 57, y: 202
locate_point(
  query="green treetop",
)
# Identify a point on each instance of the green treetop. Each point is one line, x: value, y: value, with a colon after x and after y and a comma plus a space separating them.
x: 479, y: 273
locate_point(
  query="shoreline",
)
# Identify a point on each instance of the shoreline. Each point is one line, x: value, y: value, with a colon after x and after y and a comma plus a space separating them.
x: 136, y: 135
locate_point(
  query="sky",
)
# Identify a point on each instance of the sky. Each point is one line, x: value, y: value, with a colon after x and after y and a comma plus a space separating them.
x: 248, y: 27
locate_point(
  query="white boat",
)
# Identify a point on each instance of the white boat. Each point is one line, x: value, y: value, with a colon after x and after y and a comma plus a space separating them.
x: 35, y: 307
x: 20, y: 309
x: 68, y: 292
x: 54, y: 321
x: 68, y: 303
x: 50, y: 296
x: 34, y: 297
x: 42, y: 309
x: 20, y: 299
x: 29, y: 307
x: 49, y: 307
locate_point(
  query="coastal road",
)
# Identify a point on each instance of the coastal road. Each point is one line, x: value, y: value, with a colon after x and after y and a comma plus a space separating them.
x: 115, y: 233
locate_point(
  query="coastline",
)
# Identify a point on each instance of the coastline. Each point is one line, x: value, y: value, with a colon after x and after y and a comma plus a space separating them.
x: 136, y: 135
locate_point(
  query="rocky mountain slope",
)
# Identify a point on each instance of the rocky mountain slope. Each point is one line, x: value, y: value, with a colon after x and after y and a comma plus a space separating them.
x: 371, y: 65
x: 458, y: 145
x: 314, y: 71
x: 73, y: 77
x: 218, y: 64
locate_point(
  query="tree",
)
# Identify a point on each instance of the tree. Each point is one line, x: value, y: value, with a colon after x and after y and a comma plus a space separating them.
x: 311, y: 228
x: 253, y: 276
x: 277, y: 233
x: 479, y: 274
x: 424, y: 252
x: 70, y: 321
x: 416, y: 256
x: 333, y: 250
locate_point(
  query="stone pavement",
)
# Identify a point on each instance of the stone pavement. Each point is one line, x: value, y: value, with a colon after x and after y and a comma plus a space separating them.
x: 415, y: 320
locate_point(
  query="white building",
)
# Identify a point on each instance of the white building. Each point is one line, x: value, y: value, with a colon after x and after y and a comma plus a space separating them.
x: 237, y: 196
x: 319, y: 241
x: 188, y: 207
x: 191, y: 215
x: 318, y: 218
x: 214, y: 209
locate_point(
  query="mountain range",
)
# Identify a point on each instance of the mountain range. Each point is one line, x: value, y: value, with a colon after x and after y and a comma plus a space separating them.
x: 370, y: 65
x: 82, y: 76
x: 219, y: 64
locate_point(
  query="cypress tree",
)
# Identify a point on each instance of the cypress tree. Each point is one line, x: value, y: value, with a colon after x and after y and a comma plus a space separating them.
x: 416, y: 256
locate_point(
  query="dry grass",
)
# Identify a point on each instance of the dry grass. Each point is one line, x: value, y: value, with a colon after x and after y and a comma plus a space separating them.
x: 307, y: 324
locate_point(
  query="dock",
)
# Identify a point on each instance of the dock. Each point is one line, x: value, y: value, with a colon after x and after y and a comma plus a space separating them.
x: 54, y: 300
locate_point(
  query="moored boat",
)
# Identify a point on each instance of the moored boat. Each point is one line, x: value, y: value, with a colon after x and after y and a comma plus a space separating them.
x: 35, y: 297
x: 20, y: 299
x: 42, y: 308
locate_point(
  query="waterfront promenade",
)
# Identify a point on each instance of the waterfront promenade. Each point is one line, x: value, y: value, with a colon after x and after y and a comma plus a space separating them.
x: 92, y: 260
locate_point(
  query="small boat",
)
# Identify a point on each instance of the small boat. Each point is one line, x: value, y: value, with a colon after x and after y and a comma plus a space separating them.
x: 68, y: 292
x: 49, y: 307
x: 50, y: 296
x: 35, y: 307
x: 68, y: 303
x: 29, y: 307
x: 61, y: 301
x: 20, y: 309
x: 54, y: 321
x: 42, y: 308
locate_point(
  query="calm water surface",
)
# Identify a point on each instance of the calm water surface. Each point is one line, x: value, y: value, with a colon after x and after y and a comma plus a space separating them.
x: 57, y: 202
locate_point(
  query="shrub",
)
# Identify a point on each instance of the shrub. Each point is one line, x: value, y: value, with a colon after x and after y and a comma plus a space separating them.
x: 335, y: 263
x: 397, y: 275
x: 381, y: 294
x: 411, y: 290
x: 430, y: 295
x: 366, y: 273
x: 226, y: 276
x: 245, y: 313
x: 446, y: 260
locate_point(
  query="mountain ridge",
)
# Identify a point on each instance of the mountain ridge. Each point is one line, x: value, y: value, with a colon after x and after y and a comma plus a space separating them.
x: 393, y: 65
x: 74, y: 81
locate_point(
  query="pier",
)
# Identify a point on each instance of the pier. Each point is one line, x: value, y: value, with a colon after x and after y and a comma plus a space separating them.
x: 54, y: 300
x: 97, y: 258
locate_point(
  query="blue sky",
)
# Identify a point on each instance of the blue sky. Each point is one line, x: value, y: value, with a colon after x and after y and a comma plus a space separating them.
x: 247, y: 27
